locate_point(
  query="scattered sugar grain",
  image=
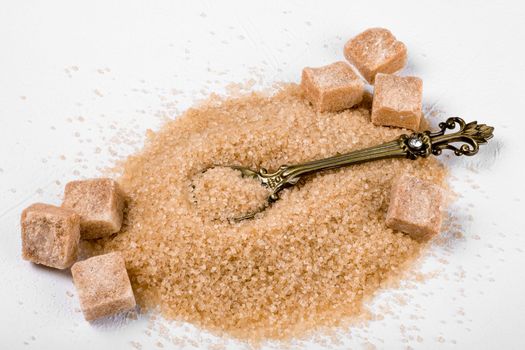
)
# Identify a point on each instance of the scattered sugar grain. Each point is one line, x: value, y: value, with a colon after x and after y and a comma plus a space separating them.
x: 307, y: 262
x: 136, y: 345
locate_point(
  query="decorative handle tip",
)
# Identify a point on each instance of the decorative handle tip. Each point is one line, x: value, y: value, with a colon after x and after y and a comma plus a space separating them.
x: 471, y: 135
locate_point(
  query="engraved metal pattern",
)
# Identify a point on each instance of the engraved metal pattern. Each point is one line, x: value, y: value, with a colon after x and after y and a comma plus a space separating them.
x: 471, y: 135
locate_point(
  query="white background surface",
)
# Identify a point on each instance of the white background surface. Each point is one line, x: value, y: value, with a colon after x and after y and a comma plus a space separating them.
x: 80, y: 82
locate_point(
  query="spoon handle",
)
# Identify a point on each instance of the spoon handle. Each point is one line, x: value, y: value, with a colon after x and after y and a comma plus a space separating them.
x: 411, y: 146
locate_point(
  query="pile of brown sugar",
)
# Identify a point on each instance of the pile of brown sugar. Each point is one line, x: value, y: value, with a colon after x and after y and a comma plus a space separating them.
x: 309, y: 260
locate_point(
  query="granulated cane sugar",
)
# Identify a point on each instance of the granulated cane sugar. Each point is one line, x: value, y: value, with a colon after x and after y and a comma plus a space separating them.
x: 309, y: 260
x: 222, y: 193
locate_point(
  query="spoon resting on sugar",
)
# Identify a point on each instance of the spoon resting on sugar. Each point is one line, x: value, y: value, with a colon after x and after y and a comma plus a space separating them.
x: 412, y: 146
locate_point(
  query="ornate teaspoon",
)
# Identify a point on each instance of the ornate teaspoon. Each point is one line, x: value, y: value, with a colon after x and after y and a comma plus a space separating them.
x: 413, y: 146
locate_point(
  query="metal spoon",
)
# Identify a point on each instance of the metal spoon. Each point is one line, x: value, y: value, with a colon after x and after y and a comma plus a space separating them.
x: 413, y: 146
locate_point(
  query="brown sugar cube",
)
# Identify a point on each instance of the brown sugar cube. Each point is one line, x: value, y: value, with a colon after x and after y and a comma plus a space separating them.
x: 397, y: 101
x: 100, y: 204
x: 376, y: 50
x: 103, y: 286
x: 50, y: 235
x: 332, y: 88
x: 415, y: 207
